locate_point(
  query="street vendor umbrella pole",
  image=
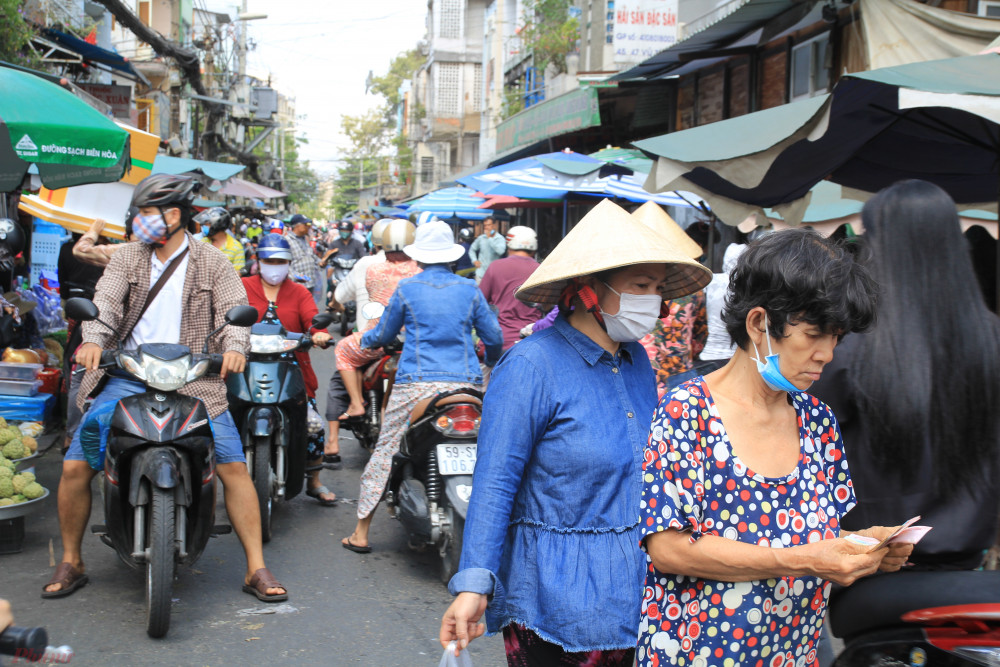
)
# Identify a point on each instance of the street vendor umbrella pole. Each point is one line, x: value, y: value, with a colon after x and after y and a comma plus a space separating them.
x: 70, y: 142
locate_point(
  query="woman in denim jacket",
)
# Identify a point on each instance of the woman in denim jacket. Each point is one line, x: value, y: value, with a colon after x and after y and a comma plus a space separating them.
x: 551, y: 552
x: 439, y: 311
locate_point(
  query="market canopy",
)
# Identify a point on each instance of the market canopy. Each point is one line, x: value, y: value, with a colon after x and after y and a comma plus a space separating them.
x: 938, y: 121
x: 70, y: 142
x: 219, y: 171
x: 237, y: 187
x: 457, y: 202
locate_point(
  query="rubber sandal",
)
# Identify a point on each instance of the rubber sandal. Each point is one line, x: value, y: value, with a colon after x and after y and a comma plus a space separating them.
x: 261, y: 580
x: 331, y: 458
x: 69, y: 577
x: 319, y: 491
x: 355, y: 548
x: 347, y: 420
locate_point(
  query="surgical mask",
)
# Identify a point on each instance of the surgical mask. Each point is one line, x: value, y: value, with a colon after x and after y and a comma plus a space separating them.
x: 636, y: 316
x: 149, y: 229
x: 204, y: 230
x: 345, y: 235
x: 769, y: 369
x: 273, y: 274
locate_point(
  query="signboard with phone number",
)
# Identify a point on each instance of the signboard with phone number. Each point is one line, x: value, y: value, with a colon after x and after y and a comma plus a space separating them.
x: 643, y: 28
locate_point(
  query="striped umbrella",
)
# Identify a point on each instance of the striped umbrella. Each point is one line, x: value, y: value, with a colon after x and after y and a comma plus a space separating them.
x: 457, y: 202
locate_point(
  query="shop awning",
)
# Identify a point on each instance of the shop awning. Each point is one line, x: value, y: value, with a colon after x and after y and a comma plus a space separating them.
x: 569, y: 112
x: 219, y: 171
x: 95, y: 55
x: 713, y: 31
x: 237, y: 187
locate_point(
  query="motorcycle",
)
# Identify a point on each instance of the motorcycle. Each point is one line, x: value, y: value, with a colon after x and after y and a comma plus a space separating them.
x: 430, y: 482
x: 941, y: 617
x: 159, y: 465
x: 31, y: 645
x: 341, y: 267
x: 377, y: 379
x: 269, y: 405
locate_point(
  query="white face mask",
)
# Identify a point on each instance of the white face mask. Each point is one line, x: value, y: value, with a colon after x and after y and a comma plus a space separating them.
x: 273, y: 274
x: 636, y: 316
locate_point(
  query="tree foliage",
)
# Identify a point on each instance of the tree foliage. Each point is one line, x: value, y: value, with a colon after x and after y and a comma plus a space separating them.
x: 549, y: 32
x: 15, y: 33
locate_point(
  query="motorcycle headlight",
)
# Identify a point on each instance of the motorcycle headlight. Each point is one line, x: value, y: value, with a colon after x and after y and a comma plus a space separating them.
x: 166, y: 375
x: 271, y: 344
x: 200, y: 368
x: 130, y: 364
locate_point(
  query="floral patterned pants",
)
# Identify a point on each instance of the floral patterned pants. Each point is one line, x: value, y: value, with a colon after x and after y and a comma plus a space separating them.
x: 397, y: 416
x: 524, y: 648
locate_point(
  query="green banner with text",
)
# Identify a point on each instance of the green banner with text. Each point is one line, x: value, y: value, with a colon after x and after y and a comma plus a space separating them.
x: 571, y: 111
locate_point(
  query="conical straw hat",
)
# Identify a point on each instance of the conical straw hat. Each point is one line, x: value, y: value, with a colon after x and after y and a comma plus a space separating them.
x: 608, y: 238
x: 654, y: 217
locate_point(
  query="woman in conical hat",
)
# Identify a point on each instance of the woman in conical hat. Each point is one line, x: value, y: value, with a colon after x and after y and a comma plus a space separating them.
x: 551, y: 552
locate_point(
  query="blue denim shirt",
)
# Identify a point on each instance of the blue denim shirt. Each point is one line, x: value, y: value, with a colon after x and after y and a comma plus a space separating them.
x: 439, y: 311
x: 552, y: 531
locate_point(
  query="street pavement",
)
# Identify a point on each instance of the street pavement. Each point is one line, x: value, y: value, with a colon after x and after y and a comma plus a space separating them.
x: 380, y: 609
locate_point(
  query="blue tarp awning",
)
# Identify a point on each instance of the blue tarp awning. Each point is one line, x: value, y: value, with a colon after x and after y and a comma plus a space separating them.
x: 93, y: 53
x: 220, y: 171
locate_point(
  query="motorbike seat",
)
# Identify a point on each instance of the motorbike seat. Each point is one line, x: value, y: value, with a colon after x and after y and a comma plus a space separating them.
x: 420, y: 408
x: 882, y: 601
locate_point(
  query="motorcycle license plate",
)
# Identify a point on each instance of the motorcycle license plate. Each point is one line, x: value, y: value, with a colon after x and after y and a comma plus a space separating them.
x: 456, y: 459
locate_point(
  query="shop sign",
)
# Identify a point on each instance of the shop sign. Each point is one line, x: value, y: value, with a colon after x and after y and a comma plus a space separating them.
x: 569, y: 112
x: 643, y: 28
x: 119, y: 98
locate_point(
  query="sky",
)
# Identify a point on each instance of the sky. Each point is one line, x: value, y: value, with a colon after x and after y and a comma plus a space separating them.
x: 320, y: 52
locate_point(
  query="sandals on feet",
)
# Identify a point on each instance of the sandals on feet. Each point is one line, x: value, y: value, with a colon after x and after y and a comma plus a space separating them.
x: 70, y: 578
x: 350, y: 546
x: 317, y: 493
x: 261, y: 580
x: 347, y: 419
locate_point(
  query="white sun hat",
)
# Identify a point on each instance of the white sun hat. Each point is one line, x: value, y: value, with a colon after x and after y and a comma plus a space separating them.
x: 609, y: 238
x: 434, y: 244
x: 654, y: 217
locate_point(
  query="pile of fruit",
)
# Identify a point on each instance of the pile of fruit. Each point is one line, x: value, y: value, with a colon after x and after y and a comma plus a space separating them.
x: 16, y: 487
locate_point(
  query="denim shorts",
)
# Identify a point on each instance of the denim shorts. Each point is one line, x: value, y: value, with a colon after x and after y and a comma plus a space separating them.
x: 228, y: 445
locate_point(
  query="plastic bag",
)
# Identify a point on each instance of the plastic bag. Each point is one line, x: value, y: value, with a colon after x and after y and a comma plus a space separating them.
x: 31, y: 429
x: 449, y: 659
x: 315, y: 423
x: 94, y: 433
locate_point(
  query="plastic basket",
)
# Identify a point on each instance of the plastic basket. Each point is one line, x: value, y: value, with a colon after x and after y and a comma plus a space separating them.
x: 12, y: 535
x: 46, y: 241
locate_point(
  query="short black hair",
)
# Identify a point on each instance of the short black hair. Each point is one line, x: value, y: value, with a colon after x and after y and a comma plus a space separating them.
x: 798, y: 276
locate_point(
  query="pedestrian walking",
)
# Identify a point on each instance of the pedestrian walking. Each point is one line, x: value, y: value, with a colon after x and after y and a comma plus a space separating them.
x: 488, y: 246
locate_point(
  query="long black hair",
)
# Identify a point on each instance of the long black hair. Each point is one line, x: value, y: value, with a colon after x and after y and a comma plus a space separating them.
x: 931, y: 368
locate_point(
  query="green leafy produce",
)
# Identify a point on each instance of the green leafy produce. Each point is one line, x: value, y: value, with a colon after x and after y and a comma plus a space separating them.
x: 14, y: 449
x: 22, y: 480
x: 9, y: 465
x: 6, y: 488
x: 9, y: 433
x: 6, y: 473
x: 34, y: 490
x: 18, y: 498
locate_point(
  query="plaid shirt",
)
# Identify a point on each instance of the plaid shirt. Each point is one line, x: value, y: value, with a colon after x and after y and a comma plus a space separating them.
x: 211, y: 288
x: 303, y: 259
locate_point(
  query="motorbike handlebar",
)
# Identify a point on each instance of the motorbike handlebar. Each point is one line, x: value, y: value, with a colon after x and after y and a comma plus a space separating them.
x: 24, y: 642
x: 109, y: 358
x: 215, y: 364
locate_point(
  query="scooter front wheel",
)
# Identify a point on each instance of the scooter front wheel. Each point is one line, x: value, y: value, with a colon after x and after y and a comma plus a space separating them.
x: 259, y: 460
x: 160, y: 561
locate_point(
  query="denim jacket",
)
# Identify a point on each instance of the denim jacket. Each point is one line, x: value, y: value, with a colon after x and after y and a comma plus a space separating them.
x: 439, y: 311
x: 552, y: 532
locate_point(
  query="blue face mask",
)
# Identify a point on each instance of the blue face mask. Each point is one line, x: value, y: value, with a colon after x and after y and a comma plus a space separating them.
x: 769, y: 369
x: 204, y: 230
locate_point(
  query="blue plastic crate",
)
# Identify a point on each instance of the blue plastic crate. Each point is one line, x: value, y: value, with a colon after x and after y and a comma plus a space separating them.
x: 35, y: 408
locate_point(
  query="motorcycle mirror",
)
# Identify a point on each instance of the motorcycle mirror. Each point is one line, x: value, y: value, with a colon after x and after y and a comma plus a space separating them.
x: 372, y: 310
x: 241, y: 316
x: 80, y: 309
x: 322, y: 321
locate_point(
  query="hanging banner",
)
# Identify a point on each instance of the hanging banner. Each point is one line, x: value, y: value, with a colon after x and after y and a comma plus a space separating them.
x: 643, y: 28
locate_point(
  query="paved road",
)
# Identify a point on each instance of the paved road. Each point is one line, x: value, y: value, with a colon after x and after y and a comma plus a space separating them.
x: 345, y: 609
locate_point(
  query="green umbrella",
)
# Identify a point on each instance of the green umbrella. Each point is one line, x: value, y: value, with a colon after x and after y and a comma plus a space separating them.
x: 70, y: 142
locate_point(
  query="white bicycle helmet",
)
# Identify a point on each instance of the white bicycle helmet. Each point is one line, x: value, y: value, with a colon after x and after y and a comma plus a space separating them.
x: 377, y: 230
x: 522, y: 238
x: 397, y: 234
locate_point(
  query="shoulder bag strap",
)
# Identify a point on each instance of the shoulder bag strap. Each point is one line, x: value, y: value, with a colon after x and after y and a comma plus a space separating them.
x: 155, y: 289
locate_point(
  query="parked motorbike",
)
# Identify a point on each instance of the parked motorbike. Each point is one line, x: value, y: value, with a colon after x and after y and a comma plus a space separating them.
x: 341, y: 267
x: 31, y: 645
x: 941, y: 618
x: 431, y: 479
x: 159, y: 465
x: 268, y: 402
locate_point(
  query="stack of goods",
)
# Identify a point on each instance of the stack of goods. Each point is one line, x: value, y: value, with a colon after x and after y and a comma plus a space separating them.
x: 26, y: 385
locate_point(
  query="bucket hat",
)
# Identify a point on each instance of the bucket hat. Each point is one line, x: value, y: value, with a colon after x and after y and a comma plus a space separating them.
x: 609, y: 238
x: 654, y: 217
x: 434, y: 244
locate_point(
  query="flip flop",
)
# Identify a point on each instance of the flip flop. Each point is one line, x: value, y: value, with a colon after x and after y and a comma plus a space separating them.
x: 70, y: 578
x: 345, y: 418
x: 331, y: 458
x: 318, y: 491
x: 261, y: 580
x: 350, y: 546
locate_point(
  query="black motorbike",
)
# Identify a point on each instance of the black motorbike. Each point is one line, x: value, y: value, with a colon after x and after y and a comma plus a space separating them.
x: 431, y: 478
x: 377, y: 379
x: 159, y: 464
x: 268, y: 401
x: 942, y: 618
